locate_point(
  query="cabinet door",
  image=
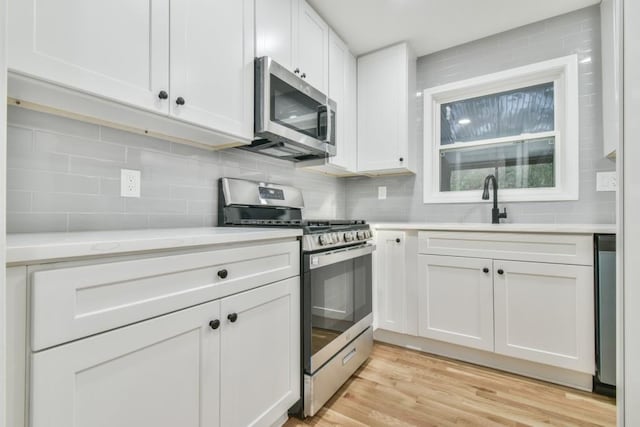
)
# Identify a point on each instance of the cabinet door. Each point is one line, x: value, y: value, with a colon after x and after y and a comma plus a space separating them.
x: 276, y: 30
x: 391, y: 290
x: 260, y: 358
x: 383, y: 110
x: 115, y: 49
x: 163, y: 373
x: 456, y: 300
x: 544, y: 313
x: 342, y: 90
x: 312, y: 50
x: 212, y: 52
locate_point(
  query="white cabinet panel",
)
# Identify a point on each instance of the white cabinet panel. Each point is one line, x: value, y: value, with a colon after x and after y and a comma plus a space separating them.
x: 117, y: 49
x: 456, y: 300
x: 544, y: 313
x: 163, y: 372
x: 276, y: 24
x: 312, y: 50
x: 386, y: 111
x: 391, y: 289
x: 260, y: 375
x: 212, y: 52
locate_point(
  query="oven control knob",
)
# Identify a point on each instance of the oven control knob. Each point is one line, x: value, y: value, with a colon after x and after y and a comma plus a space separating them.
x: 335, y: 237
x: 360, y: 235
x: 348, y: 237
x: 323, y: 240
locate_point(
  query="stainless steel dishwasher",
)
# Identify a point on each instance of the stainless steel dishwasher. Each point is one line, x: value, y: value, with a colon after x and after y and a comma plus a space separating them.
x: 605, y: 378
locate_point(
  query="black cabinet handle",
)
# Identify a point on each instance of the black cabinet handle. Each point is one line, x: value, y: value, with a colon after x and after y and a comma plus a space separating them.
x: 303, y: 75
x: 485, y: 270
x: 223, y: 274
x: 398, y: 240
x: 180, y: 100
x: 297, y: 71
x: 401, y: 159
x: 232, y: 317
x: 163, y: 95
x: 214, y: 324
x: 500, y: 271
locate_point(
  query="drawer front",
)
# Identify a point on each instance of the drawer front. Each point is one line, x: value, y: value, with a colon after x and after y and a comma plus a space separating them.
x: 551, y: 248
x: 70, y: 303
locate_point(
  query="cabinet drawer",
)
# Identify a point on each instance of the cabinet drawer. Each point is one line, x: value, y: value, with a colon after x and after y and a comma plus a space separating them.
x: 551, y: 248
x: 70, y: 303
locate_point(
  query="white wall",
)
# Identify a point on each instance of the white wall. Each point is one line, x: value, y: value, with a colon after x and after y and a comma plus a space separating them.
x: 3, y: 150
x: 631, y: 212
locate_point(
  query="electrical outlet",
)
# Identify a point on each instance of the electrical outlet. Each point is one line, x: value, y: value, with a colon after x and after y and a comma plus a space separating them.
x: 382, y: 193
x: 129, y: 183
x: 606, y: 181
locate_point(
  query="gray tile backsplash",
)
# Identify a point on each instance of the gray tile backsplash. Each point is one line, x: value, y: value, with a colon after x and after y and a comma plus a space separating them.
x: 576, y: 32
x: 64, y: 175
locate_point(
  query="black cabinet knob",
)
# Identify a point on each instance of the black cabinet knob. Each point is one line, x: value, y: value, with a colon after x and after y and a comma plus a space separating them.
x: 180, y: 100
x: 398, y: 240
x: 401, y: 159
x: 163, y: 95
x: 223, y: 274
x: 232, y: 317
x: 214, y: 324
x: 297, y: 71
x: 303, y: 75
x: 485, y: 270
x: 500, y: 271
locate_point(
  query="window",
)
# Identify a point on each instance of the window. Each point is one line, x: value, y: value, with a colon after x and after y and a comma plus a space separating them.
x: 520, y: 125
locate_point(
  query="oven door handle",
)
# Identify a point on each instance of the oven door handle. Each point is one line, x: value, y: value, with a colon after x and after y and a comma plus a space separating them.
x: 333, y: 257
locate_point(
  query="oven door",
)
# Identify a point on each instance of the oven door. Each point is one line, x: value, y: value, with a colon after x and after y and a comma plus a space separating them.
x: 289, y: 109
x: 337, y: 297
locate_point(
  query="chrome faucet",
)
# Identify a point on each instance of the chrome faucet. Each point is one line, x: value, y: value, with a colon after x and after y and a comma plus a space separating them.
x: 495, y: 212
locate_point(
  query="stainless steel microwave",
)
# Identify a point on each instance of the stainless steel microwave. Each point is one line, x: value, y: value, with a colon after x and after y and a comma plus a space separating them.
x: 293, y: 120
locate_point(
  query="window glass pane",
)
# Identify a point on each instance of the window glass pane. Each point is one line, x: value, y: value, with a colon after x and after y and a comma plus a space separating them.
x: 522, y: 164
x: 524, y: 110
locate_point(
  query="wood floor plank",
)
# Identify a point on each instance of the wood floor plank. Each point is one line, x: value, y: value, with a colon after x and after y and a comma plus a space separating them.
x: 405, y: 388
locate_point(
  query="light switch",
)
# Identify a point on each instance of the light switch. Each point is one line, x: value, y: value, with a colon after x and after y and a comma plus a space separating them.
x: 606, y: 181
x: 382, y: 193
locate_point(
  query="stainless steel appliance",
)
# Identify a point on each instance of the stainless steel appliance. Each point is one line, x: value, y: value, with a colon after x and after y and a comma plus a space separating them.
x: 336, y: 265
x: 293, y: 120
x: 605, y: 378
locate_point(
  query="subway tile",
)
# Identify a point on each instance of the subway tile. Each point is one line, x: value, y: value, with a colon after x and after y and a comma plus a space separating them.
x: 170, y: 221
x: 49, y: 122
x: 28, y: 180
x: 52, y: 162
x: 19, y: 141
x: 57, y: 143
x: 111, y: 221
x: 156, y: 206
x: 78, y: 203
x: 36, y: 222
x: 95, y: 167
x: 18, y: 201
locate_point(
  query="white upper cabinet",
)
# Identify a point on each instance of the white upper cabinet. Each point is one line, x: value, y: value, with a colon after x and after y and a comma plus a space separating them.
x: 212, y: 64
x: 386, y: 111
x: 276, y: 30
x: 191, y: 60
x: 312, y: 50
x: 117, y: 49
x: 342, y: 89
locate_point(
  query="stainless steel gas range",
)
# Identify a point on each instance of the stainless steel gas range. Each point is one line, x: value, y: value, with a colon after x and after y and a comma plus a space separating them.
x: 336, y: 295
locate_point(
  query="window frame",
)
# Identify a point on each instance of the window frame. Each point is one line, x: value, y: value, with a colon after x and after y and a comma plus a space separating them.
x: 564, y: 73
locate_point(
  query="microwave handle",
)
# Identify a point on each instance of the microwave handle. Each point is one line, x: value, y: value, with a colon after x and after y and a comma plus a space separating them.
x: 333, y: 257
x: 322, y: 109
x: 328, y: 138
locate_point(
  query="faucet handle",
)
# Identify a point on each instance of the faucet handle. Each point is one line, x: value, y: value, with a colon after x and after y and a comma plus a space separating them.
x: 503, y: 214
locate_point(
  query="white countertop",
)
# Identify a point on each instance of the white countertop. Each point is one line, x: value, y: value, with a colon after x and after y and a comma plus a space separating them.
x: 24, y: 248
x: 512, y: 228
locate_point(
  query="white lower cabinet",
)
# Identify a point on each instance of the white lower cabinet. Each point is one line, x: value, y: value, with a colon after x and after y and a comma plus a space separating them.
x: 544, y: 313
x: 391, y: 292
x: 181, y: 369
x: 456, y: 300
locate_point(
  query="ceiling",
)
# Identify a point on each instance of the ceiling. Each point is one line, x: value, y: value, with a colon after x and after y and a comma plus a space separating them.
x: 432, y: 25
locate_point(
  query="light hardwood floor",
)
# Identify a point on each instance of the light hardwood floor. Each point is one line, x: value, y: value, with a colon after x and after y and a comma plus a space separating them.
x: 399, y: 387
